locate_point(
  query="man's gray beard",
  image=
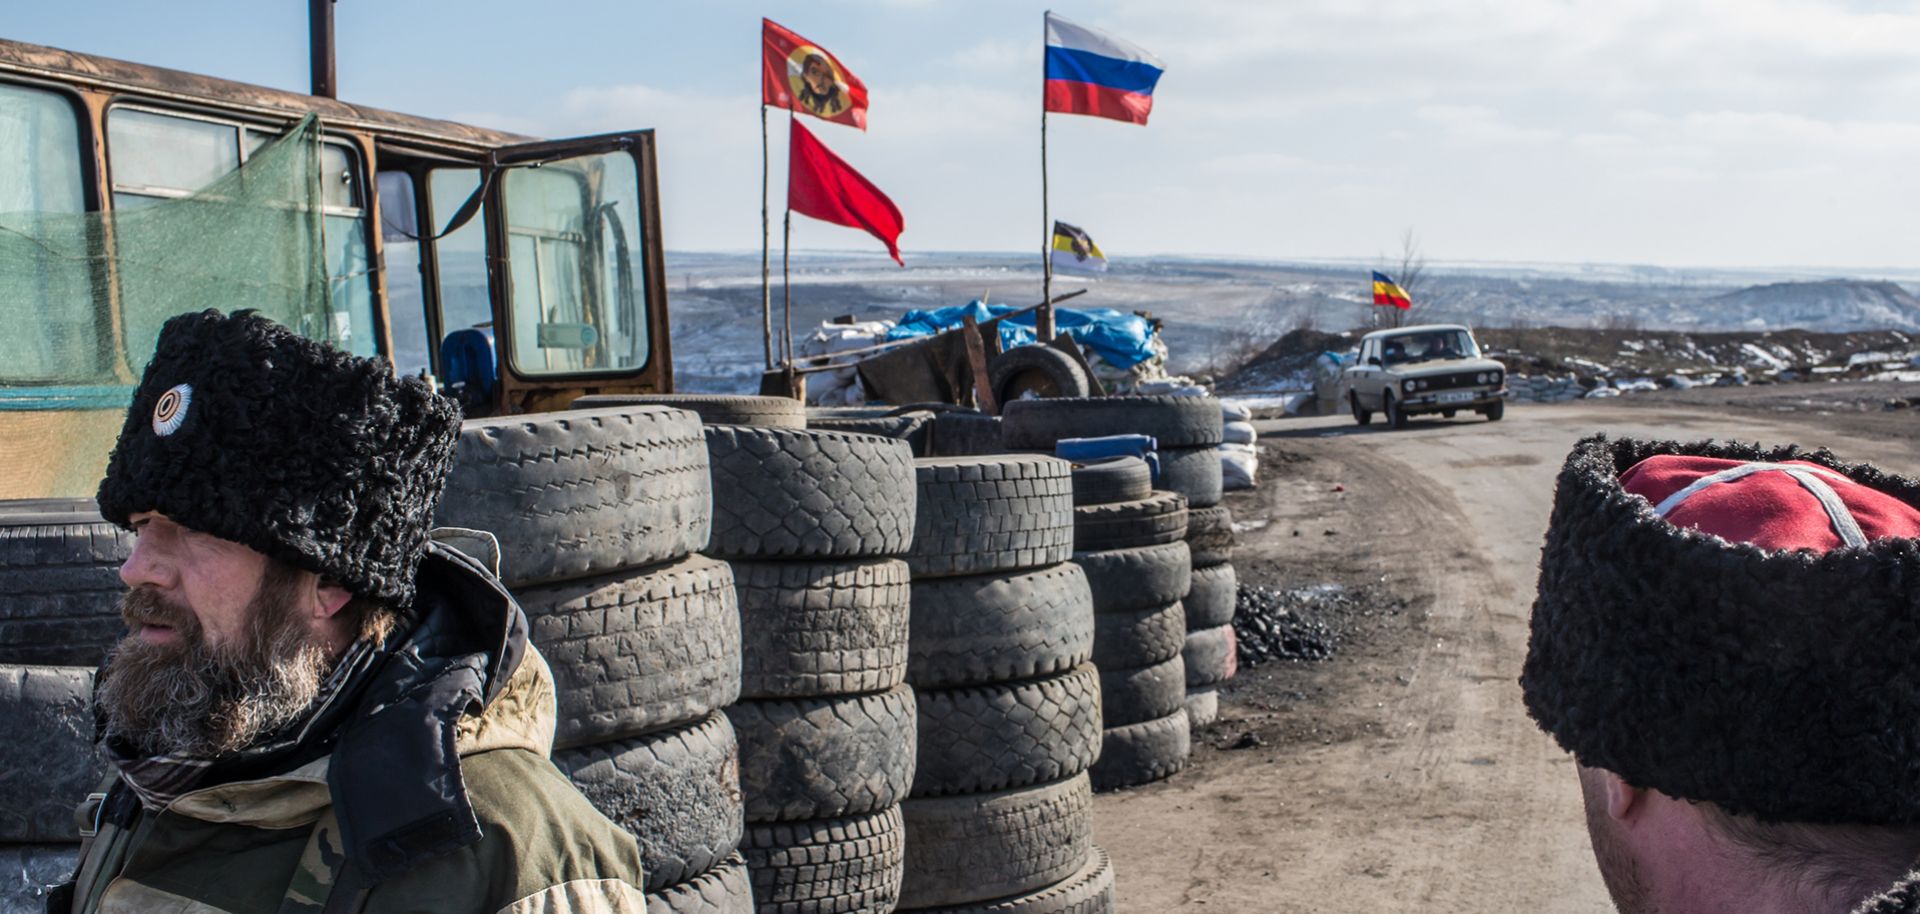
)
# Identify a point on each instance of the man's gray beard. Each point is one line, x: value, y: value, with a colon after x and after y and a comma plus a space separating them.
x: 196, y: 699
x: 1618, y: 869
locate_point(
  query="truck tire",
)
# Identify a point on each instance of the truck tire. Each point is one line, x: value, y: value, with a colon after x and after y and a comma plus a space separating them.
x: 1175, y: 422
x: 639, y: 650
x: 576, y: 494
x: 60, y: 582
x: 1143, y: 577
x: 1131, y: 638
x: 1133, y: 695
x: 1161, y: 517
x: 1145, y: 752
x: 822, y: 758
x: 1115, y: 479
x: 1210, y: 535
x: 1210, y: 600
x: 1041, y: 371
x: 47, y: 757
x: 713, y: 409
x: 958, y: 433
x: 977, y: 739
x: 1089, y: 891
x: 982, y: 846
x: 830, y: 866
x: 979, y: 515
x: 676, y: 791
x: 29, y: 871
x: 788, y: 493
x: 822, y: 628
x: 999, y: 627
x: 915, y: 428
x: 1194, y: 472
x: 1210, y: 656
x: 725, y: 889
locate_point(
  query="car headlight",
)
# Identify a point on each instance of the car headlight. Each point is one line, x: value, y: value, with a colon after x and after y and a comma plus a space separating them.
x: 1496, y: 377
x: 1410, y: 386
x: 1482, y: 378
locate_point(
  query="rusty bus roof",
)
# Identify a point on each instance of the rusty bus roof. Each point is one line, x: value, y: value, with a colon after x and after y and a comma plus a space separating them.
x: 108, y: 74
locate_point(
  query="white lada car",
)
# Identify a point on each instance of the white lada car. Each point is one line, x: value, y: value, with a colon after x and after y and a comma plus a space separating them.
x: 1430, y: 368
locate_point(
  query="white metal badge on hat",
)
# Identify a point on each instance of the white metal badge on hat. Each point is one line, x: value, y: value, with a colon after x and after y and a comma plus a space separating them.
x: 171, y: 409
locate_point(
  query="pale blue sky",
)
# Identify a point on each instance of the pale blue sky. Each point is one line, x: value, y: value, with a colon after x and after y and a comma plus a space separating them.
x: 1679, y: 132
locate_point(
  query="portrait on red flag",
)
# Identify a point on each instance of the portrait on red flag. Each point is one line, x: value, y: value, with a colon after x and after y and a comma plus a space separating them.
x: 802, y: 76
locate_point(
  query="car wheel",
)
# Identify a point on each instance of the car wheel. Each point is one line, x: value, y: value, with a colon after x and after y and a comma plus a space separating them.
x: 1396, y: 417
x: 1361, y: 416
x: 1498, y: 409
x: 1447, y: 413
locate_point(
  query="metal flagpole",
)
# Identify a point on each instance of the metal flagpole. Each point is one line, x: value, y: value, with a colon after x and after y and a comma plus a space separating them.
x: 1043, y: 319
x: 766, y: 294
x: 786, y: 243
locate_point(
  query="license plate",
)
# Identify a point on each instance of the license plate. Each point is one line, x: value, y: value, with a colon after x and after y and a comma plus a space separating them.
x: 1459, y: 396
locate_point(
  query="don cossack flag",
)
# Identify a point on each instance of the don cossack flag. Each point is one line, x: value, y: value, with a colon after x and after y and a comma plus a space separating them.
x: 1387, y: 292
x: 799, y: 75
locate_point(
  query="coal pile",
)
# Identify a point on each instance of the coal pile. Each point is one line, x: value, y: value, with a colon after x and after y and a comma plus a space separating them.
x: 1298, y: 624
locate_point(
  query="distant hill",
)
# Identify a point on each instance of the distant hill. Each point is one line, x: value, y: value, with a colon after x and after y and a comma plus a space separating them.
x: 1835, y: 305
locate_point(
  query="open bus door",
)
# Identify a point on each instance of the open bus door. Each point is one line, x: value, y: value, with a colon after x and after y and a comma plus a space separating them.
x: 576, y: 274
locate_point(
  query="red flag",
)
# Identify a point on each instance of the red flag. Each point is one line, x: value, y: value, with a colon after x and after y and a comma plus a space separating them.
x: 822, y: 185
x: 796, y: 73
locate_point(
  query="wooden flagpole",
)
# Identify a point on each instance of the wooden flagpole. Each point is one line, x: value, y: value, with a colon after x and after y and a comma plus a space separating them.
x: 786, y: 245
x: 766, y: 293
x: 1043, y: 319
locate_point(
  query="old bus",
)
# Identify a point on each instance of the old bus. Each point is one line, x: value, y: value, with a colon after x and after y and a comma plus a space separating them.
x: 517, y: 273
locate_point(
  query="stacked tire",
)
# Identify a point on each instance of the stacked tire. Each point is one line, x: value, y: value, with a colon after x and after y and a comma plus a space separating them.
x: 59, y: 613
x: 600, y: 516
x: 1002, y: 632
x: 814, y: 521
x: 1129, y: 539
x: 1211, y: 652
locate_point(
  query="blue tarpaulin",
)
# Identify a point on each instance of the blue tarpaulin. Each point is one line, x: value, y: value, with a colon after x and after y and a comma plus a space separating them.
x: 1119, y: 338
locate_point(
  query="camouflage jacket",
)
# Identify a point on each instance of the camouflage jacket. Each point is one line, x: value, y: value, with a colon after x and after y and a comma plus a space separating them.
x: 434, y: 793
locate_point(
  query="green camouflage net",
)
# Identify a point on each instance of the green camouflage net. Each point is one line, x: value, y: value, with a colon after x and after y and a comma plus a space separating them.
x: 83, y: 297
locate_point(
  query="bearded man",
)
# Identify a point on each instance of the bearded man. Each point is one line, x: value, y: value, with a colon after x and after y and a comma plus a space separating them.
x: 1724, y: 639
x: 318, y: 708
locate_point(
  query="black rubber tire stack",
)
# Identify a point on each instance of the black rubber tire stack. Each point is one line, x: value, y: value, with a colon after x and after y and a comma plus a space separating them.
x: 1009, y: 704
x: 1211, y: 652
x: 600, y: 515
x: 1129, y: 539
x: 814, y: 521
x: 59, y: 613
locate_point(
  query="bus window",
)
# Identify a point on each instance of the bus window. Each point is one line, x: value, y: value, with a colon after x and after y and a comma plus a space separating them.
x: 406, y: 297
x: 40, y: 134
x: 574, y: 251
x: 156, y: 156
x: 461, y: 255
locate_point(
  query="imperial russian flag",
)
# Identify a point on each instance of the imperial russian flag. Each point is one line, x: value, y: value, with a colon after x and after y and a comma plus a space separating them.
x: 1387, y: 292
x: 1091, y: 72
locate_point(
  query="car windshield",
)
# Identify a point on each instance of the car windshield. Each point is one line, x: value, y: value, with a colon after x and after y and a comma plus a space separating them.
x: 1427, y: 346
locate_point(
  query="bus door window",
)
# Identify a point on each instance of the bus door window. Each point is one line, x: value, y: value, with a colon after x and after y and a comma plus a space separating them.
x: 406, y: 296
x: 576, y: 260
x: 460, y: 255
x: 40, y: 135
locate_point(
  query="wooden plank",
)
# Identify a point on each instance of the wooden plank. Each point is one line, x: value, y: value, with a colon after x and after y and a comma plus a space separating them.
x: 977, y: 357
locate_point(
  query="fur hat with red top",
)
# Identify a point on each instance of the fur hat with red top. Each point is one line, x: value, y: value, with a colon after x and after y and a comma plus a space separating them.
x: 1733, y: 624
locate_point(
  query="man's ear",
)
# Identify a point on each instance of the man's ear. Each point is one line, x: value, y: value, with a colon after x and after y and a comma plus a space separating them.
x: 329, y: 599
x: 1624, y: 801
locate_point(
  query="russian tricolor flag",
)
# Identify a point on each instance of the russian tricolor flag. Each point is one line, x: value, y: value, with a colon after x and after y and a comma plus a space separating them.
x: 1091, y: 72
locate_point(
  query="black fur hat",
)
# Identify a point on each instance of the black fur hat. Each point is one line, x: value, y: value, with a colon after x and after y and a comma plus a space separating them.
x: 248, y: 431
x: 1781, y: 685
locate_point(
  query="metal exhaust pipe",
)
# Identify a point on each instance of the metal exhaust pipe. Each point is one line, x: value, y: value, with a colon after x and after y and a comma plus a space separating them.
x: 320, y: 47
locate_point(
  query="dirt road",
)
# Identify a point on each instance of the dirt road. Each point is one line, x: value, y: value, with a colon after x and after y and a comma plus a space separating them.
x: 1403, y: 774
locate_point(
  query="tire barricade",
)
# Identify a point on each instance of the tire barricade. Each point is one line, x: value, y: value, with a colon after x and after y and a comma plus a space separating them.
x: 813, y: 521
x: 640, y: 630
x: 1002, y: 635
